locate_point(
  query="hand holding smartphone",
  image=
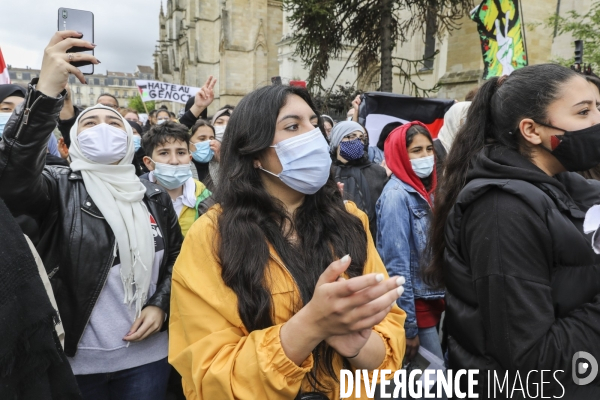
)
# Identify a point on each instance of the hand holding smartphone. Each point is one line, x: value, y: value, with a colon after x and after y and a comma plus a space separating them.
x: 56, y: 64
x: 83, y: 22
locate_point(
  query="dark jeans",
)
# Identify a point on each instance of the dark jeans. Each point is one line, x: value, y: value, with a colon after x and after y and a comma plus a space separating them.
x: 148, y: 382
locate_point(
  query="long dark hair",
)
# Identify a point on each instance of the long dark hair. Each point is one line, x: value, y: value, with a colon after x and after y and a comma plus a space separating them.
x: 493, y: 119
x: 251, y: 219
x: 385, y: 132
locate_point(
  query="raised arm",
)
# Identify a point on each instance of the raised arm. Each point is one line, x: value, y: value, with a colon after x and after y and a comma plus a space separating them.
x: 23, y: 147
x: 202, y: 100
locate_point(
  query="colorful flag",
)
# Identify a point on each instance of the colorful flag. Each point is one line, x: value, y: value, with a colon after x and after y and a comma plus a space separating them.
x: 379, y: 108
x: 501, y: 34
x: 4, y: 76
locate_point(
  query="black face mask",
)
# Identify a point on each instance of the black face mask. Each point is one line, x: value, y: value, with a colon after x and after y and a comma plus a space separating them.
x: 577, y: 150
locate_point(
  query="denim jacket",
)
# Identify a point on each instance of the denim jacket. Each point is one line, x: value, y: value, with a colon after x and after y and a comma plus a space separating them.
x: 375, y: 155
x: 403, y: 220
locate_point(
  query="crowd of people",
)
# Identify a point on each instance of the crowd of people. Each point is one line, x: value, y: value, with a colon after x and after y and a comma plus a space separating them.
x: 255, y: 253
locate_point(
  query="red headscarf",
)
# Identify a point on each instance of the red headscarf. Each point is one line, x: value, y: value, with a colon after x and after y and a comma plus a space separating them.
x: 396, y: 158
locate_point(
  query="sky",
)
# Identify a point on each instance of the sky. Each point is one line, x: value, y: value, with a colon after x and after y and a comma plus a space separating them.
x: 125, y: 31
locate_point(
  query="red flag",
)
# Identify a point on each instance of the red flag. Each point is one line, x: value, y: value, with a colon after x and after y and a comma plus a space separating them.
x: 4, y: 76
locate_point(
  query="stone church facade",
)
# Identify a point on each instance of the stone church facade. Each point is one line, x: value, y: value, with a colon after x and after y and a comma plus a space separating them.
x: 246, y: 42
x: 233, y: 40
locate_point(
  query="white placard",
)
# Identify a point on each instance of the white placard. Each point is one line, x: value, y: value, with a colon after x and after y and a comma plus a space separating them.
x: 154, y: 90
x: 375, y: 123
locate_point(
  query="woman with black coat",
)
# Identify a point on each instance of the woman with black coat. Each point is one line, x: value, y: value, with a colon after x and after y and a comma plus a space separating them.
x: 363, y: 181
x: 522, y: 281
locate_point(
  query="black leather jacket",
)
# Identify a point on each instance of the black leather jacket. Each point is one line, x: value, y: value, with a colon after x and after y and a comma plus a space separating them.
x: 76, y: 242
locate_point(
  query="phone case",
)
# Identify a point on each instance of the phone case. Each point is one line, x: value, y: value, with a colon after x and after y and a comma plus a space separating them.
x: 80, y: 21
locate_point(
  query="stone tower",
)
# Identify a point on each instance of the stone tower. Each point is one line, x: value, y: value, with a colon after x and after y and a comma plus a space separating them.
x: 233, y: 40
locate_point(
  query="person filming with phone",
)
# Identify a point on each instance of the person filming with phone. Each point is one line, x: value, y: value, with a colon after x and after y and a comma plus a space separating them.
x: 107, y: 239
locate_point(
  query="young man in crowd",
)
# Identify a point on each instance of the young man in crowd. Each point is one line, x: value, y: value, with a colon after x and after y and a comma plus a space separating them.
x: 168, y: 157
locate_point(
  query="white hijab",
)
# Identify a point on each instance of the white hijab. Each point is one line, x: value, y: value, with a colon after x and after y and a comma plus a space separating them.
x: 118, y: 194
x: 453, y: 120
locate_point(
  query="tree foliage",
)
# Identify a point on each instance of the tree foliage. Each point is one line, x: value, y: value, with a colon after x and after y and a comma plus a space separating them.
x: 136, y: 104
x: 324, y: 29
x: 336, y: 103
x: 582, y: 26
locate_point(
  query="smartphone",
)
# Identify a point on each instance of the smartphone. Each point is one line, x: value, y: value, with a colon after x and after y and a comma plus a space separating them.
x: 80, y: 21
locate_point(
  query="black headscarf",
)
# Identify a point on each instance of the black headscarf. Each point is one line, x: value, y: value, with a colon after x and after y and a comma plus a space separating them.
x: 137, y: 127
x: 11, y: 90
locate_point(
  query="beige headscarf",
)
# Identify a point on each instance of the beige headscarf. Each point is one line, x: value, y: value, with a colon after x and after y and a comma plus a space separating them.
x: 118, y: 194
x: 453, y: 120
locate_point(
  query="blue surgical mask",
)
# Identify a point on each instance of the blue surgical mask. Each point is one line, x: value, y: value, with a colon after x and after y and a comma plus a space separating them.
x: 137, y: 142
x: 3, y: 120
x: 423, y: 167
x: 203, y: 153
x: 305, y: 160
x: 171, y: 176
x: 352, y: 149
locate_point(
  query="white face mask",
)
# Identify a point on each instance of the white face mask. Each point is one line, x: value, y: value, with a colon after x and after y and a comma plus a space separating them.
x: 161, y: 121
x: 305, y: 160
x: 219, y: 131
x: 3, y: 120
x: 423, y: 167
x: 103, y: 144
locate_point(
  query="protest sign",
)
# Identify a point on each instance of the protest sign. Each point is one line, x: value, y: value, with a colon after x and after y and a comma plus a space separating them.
x: 154, y: 90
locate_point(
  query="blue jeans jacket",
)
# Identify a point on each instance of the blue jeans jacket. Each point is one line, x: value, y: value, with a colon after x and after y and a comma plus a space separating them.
x: 375, y: 155
x: 403, y: 220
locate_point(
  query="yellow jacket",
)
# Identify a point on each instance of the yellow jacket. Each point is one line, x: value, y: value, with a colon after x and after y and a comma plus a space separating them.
x: 212, y: 350
x: 189, y: 215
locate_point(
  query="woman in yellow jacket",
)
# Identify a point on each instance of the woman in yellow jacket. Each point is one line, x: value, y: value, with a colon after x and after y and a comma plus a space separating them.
x: 279, y: 287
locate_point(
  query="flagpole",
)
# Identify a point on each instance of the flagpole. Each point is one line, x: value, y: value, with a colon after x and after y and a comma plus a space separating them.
x: 523, y: 29
x: 144, y: 103
x: 142, y: 99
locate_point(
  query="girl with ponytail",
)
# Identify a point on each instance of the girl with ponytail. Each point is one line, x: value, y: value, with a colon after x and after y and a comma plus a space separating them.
x: 507, y: 241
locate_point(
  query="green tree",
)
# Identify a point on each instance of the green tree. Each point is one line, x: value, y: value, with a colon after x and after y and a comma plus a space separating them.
x: 371, y: 29
x: 336, y: 103
x: 136, y: 104
x: 582, y: 26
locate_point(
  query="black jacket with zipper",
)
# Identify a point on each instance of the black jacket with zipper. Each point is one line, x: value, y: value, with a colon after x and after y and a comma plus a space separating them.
x: 363, y: 183
x: 76, y: 243
x: 523, y: 283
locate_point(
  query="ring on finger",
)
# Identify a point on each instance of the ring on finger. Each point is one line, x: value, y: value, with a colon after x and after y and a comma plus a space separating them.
x: 70, y: 57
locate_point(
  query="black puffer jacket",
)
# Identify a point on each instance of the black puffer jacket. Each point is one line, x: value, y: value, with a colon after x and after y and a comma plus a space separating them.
x: 75, y: 242
x: 523, y: 283
x: 363, y: 184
